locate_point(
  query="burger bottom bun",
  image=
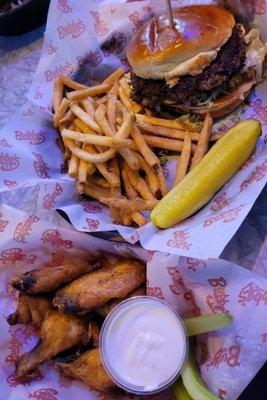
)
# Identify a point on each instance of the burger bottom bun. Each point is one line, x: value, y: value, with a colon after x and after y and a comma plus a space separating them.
x: 222, y: 106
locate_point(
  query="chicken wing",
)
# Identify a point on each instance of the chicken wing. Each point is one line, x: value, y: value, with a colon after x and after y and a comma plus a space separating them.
x: 93, y: 290
x: 93, y: 333
x: 59, y: 332
x: 31, y: 309
x: 106, y: 308
x: 89, y: 369
x: 48, y: 279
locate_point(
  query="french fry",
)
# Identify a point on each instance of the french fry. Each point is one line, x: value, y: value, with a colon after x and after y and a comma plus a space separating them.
x: 82, y: 127
x: 141, y: 143
x: 94, y: 158
x: 112, y: 178
x: 100, y: 181
x: 59, y: 114
x: 126, y: 127
x: 113, y: 77
x: 95, y: 191
x: 78, y: 111
x: 126, y: 87
x: 100, y: 116
x: 101, y: 100
x: 203, y: 142
x: 72, y: 84
x: 167, y: 123
x: 139, y: 184
x: 82, y: 171
x: 130, y: 159
x: 130, y: 205
x: 58, y: 94
x: 161, y: 180
x: 166, y: 132
x: 73, y: 166
x: 168, y: 144
x: 116, y: 214
x: 87, y: 138
x: 88, y: 105
x: 139, y: 219
x: 183, y: 162
x: 66, y: 120
x: 128, y: 103
x: 151, y: 177
x: 129, y: 189
x: 111, y: 110
x: 91, y: 91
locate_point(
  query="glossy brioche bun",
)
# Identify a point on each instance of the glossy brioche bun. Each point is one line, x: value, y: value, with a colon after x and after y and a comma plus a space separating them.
x: 224, y: 105
x: 156, y: 49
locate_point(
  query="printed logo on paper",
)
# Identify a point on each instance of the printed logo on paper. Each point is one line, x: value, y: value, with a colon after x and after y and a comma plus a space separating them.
x: 4, y: 143
x: 256, y: 175
x: 44, y: 394
x: 194, y: 264
x: 40, y: 166
x: 91, y: 207
x: 3, y: 223
x: 92, y: 58
x: 225, y: 355
x: 56, y: 260
x: 14, y: 381
x: 180, y: 240
x: 9, y: 162
x: 51, y: 48
x: 49, y: 199
x: 225, y: 217
x: 252, y: 293
x: 19, y: 336
x: 33, y: 137
x: 53, y: 238
x: 220, y: 202
x: 23, y: 229
x: 92, y: 224
x: 115, y: 44
x: 135, y: 19
x: 155, y: 292
x: 101, y: 26
x: 52, y: 74
x: 73, y: 29
x: 64, y: 6
x: 10, y: 184
x: 257, y: 5
x: 15, y: 254
x: 220, y: 298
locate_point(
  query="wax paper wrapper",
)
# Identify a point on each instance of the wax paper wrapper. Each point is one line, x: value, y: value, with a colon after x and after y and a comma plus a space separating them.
x: 228, y: 358
x: 88, y: 40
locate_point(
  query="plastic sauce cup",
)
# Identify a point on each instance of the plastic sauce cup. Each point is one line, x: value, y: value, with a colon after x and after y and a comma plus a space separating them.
x: 143, y: 345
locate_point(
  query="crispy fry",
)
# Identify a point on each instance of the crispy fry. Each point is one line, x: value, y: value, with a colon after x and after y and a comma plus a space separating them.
x: 162, y: 181
x: 126, y: 87
x: 84, y: 117
x: 85, y: 169
x: 59, y: 114
x: 168, y: 123
x: 116, y: 214
x: 129, y: 104
x: 130, y: 205
x: 130, y: 159
x: 166, y: 132
x: 101, y: 100
x: 67, y: 119
x: 94, y: 158
x: 129, y: 189
x: 113, y: 77
x: 183, y: 161
x: 139, y: 219
x: 112, y: 178
x: 72, y: 84
x: 164, y: 143
x: 141, y: 143
x: 100, y: 116
x: 203, y: 142
x: 95, y: 191
x: 82, y: 127
x: 140, y: 184
x: 73, y: 166
x: 58, y: 94
x: 151, y: 177
x: 126, y: 127
x: 111, y: 110
x: 87, y: 138
x: 91, y: 91
x: 101, y: 182
x: 88, y: 105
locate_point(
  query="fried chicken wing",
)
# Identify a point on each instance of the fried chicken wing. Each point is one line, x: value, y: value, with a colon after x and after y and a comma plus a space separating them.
x: 106, y: 308
x: 89, y: 369
x: 59, y: 332
x: 48, y: 279
x: 31, y: 309
x: 93, y: 290
x: 93, y: 333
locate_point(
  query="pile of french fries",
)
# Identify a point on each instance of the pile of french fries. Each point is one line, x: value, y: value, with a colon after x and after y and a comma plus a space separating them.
x: 109, y: 145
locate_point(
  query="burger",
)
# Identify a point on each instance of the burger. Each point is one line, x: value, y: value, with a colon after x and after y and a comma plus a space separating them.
x: 205, y: 62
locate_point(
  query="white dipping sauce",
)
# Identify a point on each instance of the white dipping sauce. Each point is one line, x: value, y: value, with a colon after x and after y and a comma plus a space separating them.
x: 145, y: 343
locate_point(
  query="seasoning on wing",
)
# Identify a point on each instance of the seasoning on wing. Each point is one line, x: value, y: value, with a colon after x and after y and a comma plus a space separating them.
x: 93, y: 333
x: 88, y: 368
x: 48, y: 279
x: 106, y: 308
x: 95, y: 289
x: 31, y: 309
x: 59, y: 332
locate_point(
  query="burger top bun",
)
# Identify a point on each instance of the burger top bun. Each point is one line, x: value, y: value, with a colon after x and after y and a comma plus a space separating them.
x: 159, y: 51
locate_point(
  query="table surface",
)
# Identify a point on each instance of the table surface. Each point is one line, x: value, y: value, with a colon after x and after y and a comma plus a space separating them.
x: 19, y: 57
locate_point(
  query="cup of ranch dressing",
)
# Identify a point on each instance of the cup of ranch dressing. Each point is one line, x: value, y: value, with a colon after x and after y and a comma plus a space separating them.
x: 143, y: 345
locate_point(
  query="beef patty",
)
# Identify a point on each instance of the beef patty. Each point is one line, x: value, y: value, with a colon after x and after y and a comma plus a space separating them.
x: 229, y: 61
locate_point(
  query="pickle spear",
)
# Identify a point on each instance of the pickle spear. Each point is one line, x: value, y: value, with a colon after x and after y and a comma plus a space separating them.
x: 180, y: 391
x: 206, y: 323
x: 221, y: 162
x: 193, y: 382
